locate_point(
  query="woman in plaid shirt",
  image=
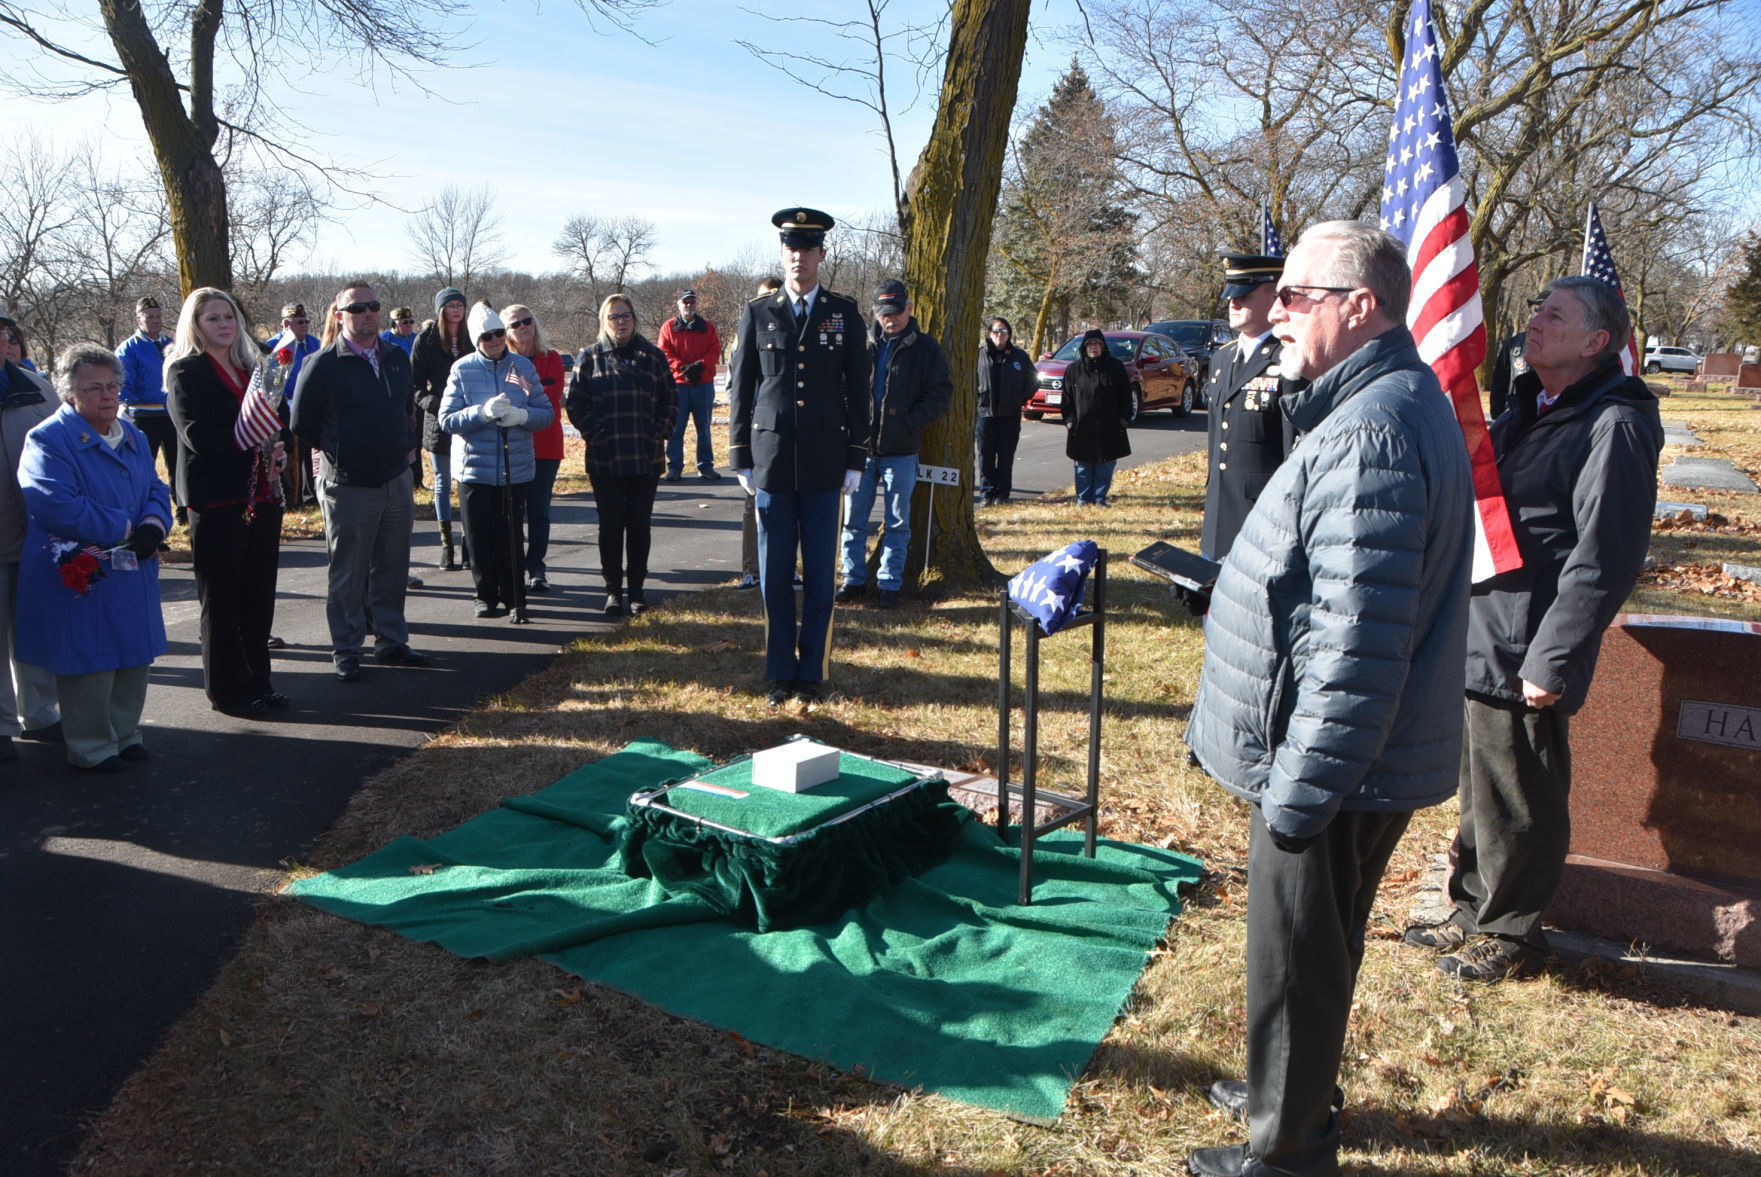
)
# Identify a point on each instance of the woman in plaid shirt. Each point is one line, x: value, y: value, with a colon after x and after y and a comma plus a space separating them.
x: 622, y: 400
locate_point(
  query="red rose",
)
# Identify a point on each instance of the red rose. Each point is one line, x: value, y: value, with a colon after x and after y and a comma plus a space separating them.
x: 86, y: 563
x: 72, y: 577
x: 284, y: 356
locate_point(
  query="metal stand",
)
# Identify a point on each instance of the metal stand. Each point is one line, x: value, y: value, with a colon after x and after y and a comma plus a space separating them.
x: 1070, y: 809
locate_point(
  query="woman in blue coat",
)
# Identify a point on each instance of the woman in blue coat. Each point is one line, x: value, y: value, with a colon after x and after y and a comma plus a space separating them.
x: 493, y: 404
x: 88, y: 584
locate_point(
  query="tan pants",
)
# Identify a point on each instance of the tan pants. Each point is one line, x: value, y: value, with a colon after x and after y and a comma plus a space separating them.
x: 101, y: 712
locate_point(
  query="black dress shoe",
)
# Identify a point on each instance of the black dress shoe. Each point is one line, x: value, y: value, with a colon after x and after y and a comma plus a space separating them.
x: 400, y: 656
x: 134, y: 752
x: 538, y: 585
x: 108, y: 764
x: 709, y: 475
x: 47, y: 734
x: 614, y: 604
x: 276, y: 643
x: 889, y: 599
x: 275, y: 701
x: 249, y: 709
x: 348, y: 669
x: 638, y: 604
x: 807, y: 692
x: 779, y: 692
x: 1222, y: 1162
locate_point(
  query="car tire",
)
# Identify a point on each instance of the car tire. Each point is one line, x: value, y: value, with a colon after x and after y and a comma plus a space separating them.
x: 1136, y: 404
x: 1032, y: 416
x: 1653, y: 368
x: 1188, y: 400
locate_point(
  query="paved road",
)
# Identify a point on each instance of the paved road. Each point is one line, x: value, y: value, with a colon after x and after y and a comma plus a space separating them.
x: 121, y: 895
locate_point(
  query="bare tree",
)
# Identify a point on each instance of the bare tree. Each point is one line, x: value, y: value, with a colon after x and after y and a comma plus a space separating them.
x: 628, y: 242
x: 275, y: 214
x: 604, y: 253
x: 458, y: 237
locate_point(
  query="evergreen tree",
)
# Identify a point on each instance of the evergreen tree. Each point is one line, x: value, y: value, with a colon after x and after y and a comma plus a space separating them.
x: 1743, y: 300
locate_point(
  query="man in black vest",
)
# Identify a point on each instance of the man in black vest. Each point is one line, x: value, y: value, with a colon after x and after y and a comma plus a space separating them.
x: 798, y: 438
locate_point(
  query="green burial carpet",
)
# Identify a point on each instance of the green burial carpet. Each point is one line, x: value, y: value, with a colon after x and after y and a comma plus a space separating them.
x: 941, y: 981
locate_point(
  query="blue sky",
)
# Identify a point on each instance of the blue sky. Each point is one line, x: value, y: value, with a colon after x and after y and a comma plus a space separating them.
x: 690, y: 132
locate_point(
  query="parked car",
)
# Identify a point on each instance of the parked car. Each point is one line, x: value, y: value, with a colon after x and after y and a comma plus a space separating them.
x: 1162, y: 375
x: 1200, y: 338
x: 1670, y: 359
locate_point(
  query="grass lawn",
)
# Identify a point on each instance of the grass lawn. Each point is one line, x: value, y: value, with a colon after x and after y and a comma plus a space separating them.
x: 326, y: 1047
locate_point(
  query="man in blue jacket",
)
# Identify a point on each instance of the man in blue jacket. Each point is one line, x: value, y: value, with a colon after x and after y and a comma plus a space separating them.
x: 1329, y: 697
x: 143, y: 386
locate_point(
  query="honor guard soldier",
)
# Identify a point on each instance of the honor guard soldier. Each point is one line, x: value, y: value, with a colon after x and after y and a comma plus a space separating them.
x: 1249, y: 434
x: 798, y: 439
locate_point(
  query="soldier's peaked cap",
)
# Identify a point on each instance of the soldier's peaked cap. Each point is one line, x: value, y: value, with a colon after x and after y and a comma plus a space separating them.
x: 1244, y: 271
x: 802, y: 228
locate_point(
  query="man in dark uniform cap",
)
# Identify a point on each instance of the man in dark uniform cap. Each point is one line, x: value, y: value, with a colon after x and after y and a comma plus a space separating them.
x: 798, y: 439
x: 1249, y: 433
x: 1510, y: 365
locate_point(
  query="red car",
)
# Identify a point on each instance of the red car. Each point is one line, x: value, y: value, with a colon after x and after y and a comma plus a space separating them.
x: 1163, y: 375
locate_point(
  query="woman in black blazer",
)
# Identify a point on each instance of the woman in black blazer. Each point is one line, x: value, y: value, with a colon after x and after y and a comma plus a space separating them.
x: 233, y: 493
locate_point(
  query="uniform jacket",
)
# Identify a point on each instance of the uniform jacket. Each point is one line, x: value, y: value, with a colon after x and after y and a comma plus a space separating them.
x: 1096, y: 406
x: 1249, y: 437
x: 623, y: 402
x: 684, y: 344
x: 77, y: 488
x: 1581, y: 483
x: 143, y: 373
x: 407, y: 342
x: 1006, y: 380
x: 1510, y: 365
x: 477, y: 454
x: 358, y: 418
x: 430, y: 364
x: 547, y: 443
x: 25, y: 400
x: 802, y: 403
x: 1340, y: 616
x: 916, y: 391
x: 211, y: 470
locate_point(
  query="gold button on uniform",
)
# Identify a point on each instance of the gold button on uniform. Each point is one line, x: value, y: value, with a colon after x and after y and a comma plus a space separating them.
x: 1222, y: 445
x: 800, y: 404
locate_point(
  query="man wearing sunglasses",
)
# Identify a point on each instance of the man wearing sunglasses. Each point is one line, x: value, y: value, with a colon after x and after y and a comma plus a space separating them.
x: 1330, y: 694
x: 353, y: 404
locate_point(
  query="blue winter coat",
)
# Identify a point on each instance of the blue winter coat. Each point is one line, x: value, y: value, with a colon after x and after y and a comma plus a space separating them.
x: 1338, y: 627
x: 476, y: 454
x: 77, y: 488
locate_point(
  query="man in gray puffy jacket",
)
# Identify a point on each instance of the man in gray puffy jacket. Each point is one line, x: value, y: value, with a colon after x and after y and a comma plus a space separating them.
x: 1577, y: 459
x: 1329, y: 695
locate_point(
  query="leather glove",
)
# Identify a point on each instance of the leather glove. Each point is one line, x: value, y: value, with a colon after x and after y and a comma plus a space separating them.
x: 1197, y: 601
x: 145, y: 539
x: 496, y: 407
x: 852, y: 480
x: 744, y: 477
x: 693, y: 372
x: 1289, y: 844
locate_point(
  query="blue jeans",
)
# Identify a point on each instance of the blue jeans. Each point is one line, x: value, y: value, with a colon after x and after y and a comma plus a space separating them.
x: 442, y: 468
x: 538, y: 514
x: 1093, y: 481
x: 896, y: 475
x: 696, y: 401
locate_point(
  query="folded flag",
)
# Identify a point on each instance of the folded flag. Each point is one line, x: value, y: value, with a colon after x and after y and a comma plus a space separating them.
x: 1050, y: 590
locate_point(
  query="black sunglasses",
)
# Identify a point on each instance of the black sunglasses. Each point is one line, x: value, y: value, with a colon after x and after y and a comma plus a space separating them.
x: 526, y: 322
x: 1288, y: 294
x: 497, y: 333
x: 360, y: 308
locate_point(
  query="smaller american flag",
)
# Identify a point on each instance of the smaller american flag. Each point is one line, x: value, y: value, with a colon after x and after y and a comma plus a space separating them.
x: 1599, y: 264
x: 1270, y: 245
x: 519, y: 381
x: 257, y: 419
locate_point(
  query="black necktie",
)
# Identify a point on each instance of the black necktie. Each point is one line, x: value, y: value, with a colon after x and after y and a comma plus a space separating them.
x: 800, y: 308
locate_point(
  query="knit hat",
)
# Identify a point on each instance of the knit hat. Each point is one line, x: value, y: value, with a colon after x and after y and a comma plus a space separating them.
x: 446, y: 296
x: 484, y: 319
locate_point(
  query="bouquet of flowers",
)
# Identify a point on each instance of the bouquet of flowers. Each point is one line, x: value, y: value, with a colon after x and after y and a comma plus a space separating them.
x: 80, y: 565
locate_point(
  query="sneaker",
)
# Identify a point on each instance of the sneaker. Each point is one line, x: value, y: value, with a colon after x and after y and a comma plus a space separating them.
x: 672, y: 476
x: 1444, y: 937
x: 348, y: 669
x: 614, y: 604
x: 747, y: 581
x: 850, y: 593
x: 708, y: 474
x: 538, y: 585
x: 638, y: 603
x: 1492, y: 958
x: 485, y: 609
x: 412, y: 582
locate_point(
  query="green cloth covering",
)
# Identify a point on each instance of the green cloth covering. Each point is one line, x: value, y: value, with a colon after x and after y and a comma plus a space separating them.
x: 941, y: 981
x: 771, y: 813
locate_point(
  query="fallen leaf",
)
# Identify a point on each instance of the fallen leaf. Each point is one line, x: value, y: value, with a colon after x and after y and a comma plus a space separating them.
x: 225, y: 1038
x: 718, y: 1144
x: 426, y: 868
x: 568, y: 997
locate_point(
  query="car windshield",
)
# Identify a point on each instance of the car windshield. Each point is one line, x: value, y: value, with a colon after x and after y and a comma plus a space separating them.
x: 1122, y: 349
x: 1191, y: 335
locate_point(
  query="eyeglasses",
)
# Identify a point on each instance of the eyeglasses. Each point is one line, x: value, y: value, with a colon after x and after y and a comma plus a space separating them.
x: 360, y: 308
x: 114, y: 387
x: 298, y: 322
x: 406, y: 322
x: 526, y: 322
x: 999, y: 331
x: 1289, y: 294
x: 620, y: 316
x: 497, y: 333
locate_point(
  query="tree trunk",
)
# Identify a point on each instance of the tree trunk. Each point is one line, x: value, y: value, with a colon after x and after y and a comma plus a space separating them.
x: 183, y: 144
x: 953, y: 200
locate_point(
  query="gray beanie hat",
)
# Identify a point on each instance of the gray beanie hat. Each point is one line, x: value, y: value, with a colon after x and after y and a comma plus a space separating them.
x: 446, y: 296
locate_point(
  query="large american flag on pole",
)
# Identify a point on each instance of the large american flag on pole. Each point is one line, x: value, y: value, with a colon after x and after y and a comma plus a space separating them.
x: 1599, y: 263
x: 1270, y: 244
x: 1424, y: 204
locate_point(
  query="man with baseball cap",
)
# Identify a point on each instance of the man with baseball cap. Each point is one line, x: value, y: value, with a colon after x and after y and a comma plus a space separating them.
x: 801, y: 406
x: 691, y: 347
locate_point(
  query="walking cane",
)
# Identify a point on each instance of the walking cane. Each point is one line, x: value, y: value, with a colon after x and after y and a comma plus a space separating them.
x: 513, y: 526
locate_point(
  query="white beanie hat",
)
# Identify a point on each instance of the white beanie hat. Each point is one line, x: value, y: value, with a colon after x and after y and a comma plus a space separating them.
x: 483, y: 319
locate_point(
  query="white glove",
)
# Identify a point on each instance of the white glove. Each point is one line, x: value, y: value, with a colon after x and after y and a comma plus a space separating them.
x: 514, y: 417
x: 745, y: 480
x: 496, y: 408
x: 852, y: 481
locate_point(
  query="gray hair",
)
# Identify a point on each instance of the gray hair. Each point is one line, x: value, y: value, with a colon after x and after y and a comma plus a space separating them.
x: 1604, y: 309
x: 1366, y: 256
x: 82, y: 355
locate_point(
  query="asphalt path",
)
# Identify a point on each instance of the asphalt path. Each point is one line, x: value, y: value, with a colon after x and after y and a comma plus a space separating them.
x: 121, y: 895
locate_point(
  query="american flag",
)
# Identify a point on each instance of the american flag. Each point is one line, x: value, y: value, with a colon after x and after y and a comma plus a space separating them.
x: 1270, y: 245
x: 257, y: 419
x: 1424, y: 204
x: 1599, y: 263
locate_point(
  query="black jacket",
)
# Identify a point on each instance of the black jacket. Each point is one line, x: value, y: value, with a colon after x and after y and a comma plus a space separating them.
x: 918, y: 389
x: 1249, y: 437
x: 430, y: 365
x: 361, y: 421
x: 211, y: 470
x: 1581, y: 484
x: 1006, y: 380
x: 1096, y: 406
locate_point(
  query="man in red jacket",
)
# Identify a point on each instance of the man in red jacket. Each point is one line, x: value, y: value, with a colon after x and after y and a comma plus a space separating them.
x: 692, y: 349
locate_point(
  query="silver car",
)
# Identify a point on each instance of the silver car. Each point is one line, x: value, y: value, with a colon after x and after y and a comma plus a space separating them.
x: 1670, y: 359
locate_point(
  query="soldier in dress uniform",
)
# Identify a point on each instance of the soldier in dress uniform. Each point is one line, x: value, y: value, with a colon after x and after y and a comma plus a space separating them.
x: 1249, y: 433
x: 798, y: 439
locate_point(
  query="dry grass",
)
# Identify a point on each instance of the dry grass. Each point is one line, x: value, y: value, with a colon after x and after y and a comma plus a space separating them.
x: 328, y: 1047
